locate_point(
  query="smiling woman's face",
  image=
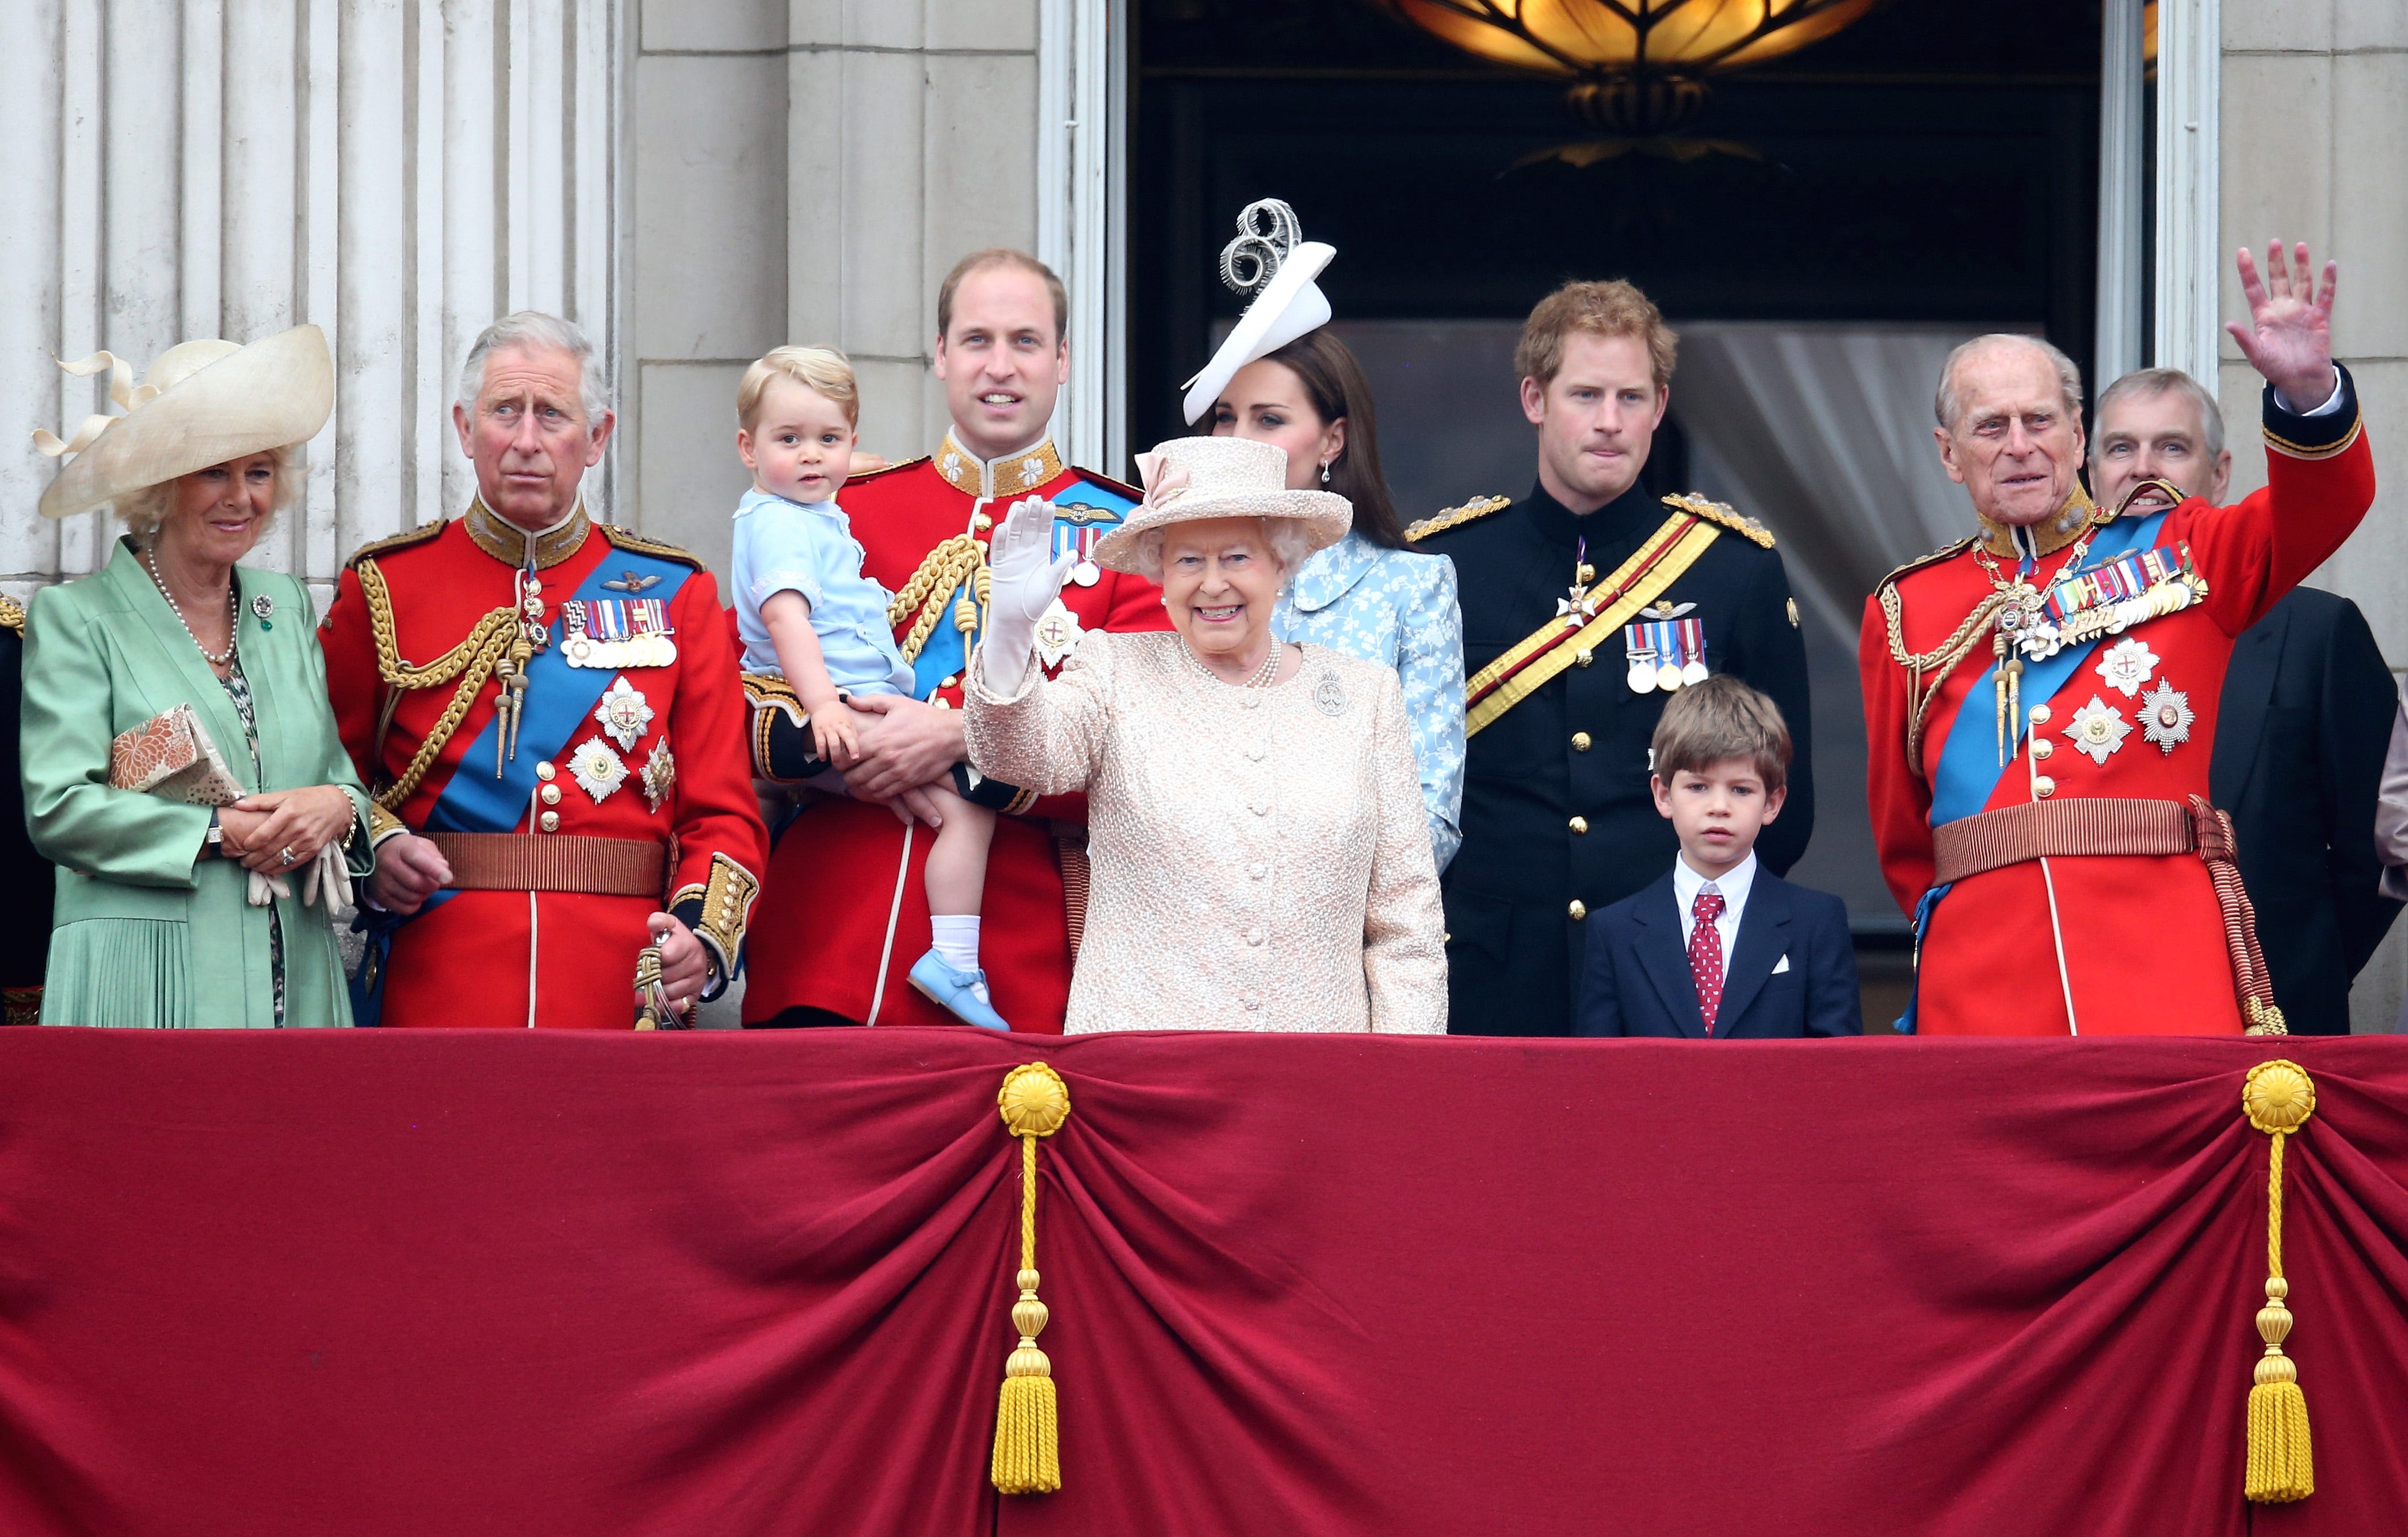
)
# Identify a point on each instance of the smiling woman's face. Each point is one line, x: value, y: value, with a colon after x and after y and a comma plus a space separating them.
x: 1221, y: 582
x: 219, y: 512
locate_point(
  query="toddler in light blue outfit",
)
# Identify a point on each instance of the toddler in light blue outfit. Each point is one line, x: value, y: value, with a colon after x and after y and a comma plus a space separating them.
x: 808, y: 612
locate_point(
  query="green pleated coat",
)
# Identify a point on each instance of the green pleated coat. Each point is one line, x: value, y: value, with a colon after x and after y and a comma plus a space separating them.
x: 146, y: 931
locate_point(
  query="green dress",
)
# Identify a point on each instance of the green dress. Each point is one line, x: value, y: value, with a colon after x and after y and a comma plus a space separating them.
x: 148, y: 932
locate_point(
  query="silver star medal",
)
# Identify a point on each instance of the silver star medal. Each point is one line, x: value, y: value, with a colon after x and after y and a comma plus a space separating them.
x: 660, y: 774
x: 1577, y: 610
x: 597, y: 770
x: 1059, y: 634
x: 2128, y: 665
x: 2165, y: 717
x: 2097, y: 729
x: 623, y: 712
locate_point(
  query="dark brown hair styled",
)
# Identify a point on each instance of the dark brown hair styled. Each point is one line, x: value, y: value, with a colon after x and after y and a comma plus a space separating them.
x: 979, y: 260
x: 1717, y: 721
x: 1615, y: 309
x: 1335, y: 388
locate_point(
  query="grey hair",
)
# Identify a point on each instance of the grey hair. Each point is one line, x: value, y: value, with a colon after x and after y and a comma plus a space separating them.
x: 533, y: 329
x: 1289, y: 542
x: 144, y: 511
x: 2149, y: 383
x: 1951, y: 410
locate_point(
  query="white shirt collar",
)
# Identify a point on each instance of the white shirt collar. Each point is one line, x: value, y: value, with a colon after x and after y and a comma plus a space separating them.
x: 1733, y: 887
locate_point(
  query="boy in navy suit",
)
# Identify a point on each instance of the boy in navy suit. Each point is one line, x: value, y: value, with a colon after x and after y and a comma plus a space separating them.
x: 1720, y: 947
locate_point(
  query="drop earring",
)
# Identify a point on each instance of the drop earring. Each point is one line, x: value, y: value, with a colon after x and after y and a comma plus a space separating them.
x: 1324, y: 472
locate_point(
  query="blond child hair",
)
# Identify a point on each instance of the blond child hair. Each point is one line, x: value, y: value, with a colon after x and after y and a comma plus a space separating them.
x: 823, y: 370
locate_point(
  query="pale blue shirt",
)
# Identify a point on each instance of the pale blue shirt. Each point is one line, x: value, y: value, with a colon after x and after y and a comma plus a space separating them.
x: 809, y: 548
x: 1395, y: 607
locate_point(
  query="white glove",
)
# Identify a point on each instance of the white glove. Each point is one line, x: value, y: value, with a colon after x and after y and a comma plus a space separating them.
x: 1024, y: 578
x: 265, y: 888
x: 330, y: 873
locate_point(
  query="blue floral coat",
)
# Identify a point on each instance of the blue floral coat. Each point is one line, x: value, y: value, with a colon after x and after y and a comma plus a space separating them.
x: 1396, y: 609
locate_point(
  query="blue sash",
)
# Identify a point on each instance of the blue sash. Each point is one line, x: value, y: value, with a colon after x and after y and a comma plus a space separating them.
x: 1083, y: 504
x: 1969, y: 770
x: 559, y: 697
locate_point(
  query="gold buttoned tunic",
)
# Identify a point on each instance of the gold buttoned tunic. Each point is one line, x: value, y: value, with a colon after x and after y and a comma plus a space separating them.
x: 1259, y: 856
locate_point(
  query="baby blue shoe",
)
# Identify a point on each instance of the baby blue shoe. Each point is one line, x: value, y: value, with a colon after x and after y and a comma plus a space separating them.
x: 961, y: 993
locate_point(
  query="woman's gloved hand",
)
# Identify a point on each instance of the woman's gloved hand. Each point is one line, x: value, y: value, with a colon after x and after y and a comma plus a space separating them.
x: 1025, y: 578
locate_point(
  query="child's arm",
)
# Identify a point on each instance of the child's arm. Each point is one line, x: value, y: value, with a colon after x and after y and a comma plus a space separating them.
x: 787, y: 616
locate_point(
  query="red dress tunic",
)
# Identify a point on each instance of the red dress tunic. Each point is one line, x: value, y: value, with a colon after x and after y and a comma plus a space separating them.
x: 2143, y: 935
x: 552, y: 959
x: 822, y: 928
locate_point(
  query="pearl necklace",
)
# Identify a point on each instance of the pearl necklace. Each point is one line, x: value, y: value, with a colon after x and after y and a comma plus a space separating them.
x: 233, y: 615
x: 1263, y: 675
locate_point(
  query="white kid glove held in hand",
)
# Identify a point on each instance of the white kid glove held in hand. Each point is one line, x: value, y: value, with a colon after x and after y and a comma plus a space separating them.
x: 1025, y: 578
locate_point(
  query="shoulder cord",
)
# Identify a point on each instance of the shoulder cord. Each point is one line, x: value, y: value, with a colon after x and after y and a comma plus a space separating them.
x: 1927, y: 671
x: 471, y: 661
x: 958, y: 562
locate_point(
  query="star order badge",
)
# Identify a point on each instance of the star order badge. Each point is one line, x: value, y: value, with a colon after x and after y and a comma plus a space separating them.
x: 2165, y: 717
x: 1059, y: 634
x: 2097, y: 729
x: 623, y: 712
x: 660, y: 773
x: 2128, y: 665
x: 597, y: 770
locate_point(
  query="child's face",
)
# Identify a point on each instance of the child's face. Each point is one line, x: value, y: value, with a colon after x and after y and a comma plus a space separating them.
x: 1716, y: 812
x: 799, y: 445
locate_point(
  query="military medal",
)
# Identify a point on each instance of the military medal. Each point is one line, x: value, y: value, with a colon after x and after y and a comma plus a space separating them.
x: 1058, y: 634
x: 623, y: 712
x: 2165, y: 717
x: 2128, y: 665
x: 596, y: 769
x: 1641, y: 648
x: 1086, y: 573
x: 660, y: 773
x: 2097, y: 729
x: 1666, y: 653
x: 1693, y: 650
x: 617, y: 633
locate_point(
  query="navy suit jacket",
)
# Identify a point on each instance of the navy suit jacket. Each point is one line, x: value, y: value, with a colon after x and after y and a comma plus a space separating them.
x: 1637, y: 979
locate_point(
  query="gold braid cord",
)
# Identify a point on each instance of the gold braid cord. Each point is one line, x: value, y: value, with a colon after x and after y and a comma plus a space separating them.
x: 960, y: 561
x: 2278, y: 1097
x: 1926, y: 672
x: 471, y: 662
x: 1034, y: 1102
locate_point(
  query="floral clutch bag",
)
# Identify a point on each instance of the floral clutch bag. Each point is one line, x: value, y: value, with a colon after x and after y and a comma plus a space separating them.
x: 171, y: 756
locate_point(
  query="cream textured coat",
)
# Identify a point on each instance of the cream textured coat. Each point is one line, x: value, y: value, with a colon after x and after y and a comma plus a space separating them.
x: 1260, y: 858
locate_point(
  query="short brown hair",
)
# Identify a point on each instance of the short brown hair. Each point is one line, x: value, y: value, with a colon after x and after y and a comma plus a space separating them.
x: 1717, y: 721
x: 979, y: 260
x: 823, y: 370
x: 1614, y: 308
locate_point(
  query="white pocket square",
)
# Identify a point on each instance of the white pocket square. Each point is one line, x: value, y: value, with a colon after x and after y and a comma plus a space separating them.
x: 1783, y: 967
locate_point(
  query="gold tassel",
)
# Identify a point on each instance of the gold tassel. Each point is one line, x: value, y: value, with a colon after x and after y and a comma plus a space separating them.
x: 1034, y: 1102
x: 2278, y: 1098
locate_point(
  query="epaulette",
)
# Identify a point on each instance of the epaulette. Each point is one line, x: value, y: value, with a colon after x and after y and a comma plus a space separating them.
x: 627, y: 539
x: 859, y: 476
x: 12, y: 615
x: 1133, y: 493
x: 1946, y: 551
x: 402, y: 540
x: 1724, y: 513
x: 1454, y: 517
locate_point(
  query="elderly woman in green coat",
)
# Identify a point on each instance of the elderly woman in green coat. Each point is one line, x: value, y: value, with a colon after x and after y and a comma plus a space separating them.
x: 172, y: 914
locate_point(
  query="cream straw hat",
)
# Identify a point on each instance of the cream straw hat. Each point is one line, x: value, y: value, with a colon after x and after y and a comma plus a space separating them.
x: 200, y: 403
x: 1191, y: 479
x: 1271, y: 260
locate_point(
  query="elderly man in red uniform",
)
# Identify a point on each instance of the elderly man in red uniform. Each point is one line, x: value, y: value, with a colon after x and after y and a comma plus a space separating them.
x: 2041, y: 698
x: 548, y: 712
x: 847, y: 875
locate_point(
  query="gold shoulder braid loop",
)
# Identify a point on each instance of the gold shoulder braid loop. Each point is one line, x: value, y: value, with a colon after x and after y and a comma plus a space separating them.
x: 472, y: 661
x: 2278, y: 1098
x: 957, y: 561
x: 1926, y: 672
x: 1034, y: 1102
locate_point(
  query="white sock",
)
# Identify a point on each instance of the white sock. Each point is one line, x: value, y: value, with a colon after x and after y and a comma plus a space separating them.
x: 955, y: 939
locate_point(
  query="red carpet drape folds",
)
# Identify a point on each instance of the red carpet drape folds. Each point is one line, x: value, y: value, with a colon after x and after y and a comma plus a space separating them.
x: 480, y: 1282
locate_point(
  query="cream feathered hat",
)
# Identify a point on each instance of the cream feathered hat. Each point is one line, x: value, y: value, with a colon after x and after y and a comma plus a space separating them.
x: 1271, y: 260
x: 200, y: 403
x: 1190, y: 479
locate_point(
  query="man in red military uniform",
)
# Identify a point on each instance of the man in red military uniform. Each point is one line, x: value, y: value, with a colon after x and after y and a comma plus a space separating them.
x: 547, y: 713
x: 2041, y: 699
x: 846, y: 877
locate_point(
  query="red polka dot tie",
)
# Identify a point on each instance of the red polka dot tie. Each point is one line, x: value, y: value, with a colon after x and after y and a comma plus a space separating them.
x: 1706, y: 954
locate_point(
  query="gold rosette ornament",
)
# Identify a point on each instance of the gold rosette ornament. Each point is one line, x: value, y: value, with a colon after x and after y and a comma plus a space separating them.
x: 1034, y: 1102
x: 2278, y: 1098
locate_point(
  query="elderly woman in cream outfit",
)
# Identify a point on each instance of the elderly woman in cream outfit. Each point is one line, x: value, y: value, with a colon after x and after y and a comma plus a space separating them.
x: 1260, y: 856
x: 171, y: 915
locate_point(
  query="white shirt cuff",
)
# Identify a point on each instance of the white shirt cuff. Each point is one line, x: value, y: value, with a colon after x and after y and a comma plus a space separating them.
x: 2332, y: 402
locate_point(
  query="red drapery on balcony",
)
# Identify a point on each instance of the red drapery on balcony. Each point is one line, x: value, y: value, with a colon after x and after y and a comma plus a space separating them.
x: 421, y: 1283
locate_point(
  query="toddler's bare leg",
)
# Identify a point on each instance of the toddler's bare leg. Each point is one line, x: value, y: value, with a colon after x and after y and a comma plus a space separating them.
x: 957, y: 874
